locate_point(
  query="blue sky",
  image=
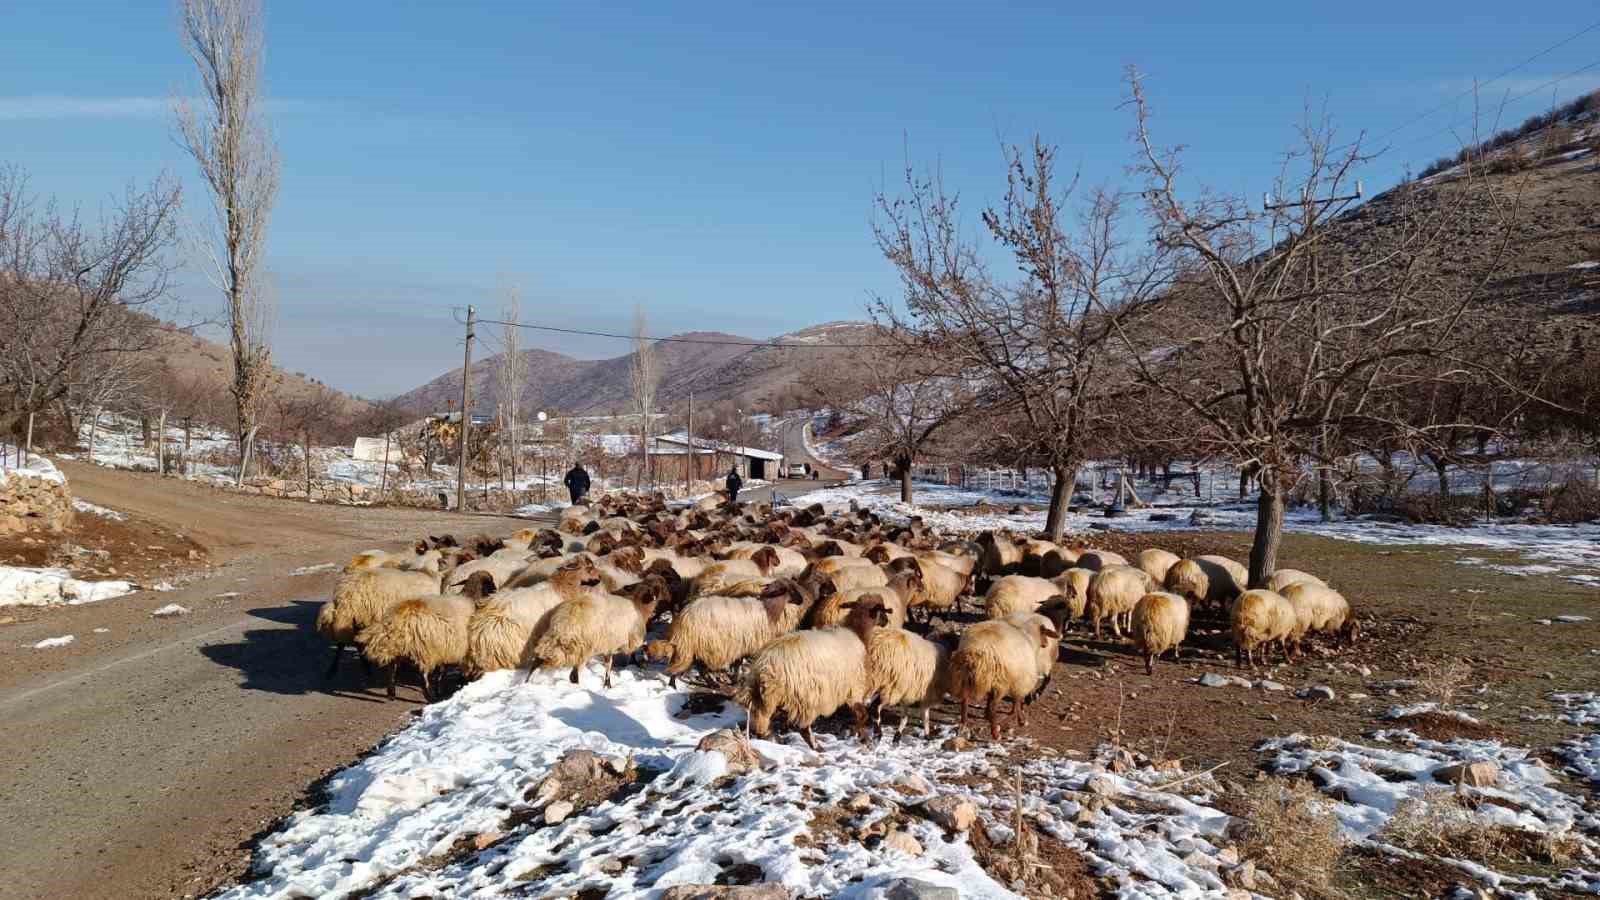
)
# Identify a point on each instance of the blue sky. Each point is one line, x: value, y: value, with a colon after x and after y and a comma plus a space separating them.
x: 715, y: 163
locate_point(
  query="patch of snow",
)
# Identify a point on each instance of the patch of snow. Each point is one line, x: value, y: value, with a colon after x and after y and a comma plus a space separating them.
x: 314, y: 570
x: 462, y: 768
x: 1581, y: 754
x: 168, y: 611
x: 49, y: 587
x: 1589, y: 264
x: 1417, y: 709
x: 85, y: 506
x: 102, y: 631
x: 47, y: 643
x: 1367, y: 783
x: 162, y: 587
x: 37, y: 467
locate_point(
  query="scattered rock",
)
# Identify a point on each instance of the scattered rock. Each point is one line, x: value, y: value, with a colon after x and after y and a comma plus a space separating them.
x: 1197, y: 860
x: 957, y: 744
x: 485, y: 839
x: 1102, y: 786
x: 557, y: 812
x: 914, y: 783
x: 912, y: 889
x: 1212, y: 679
x: 1242, y: 876
x: 904, y: 842
x: 1267, y: 684
x: 859, y: 803
x: 735, y: 747
x: 1228, y: 856
x: 951, y: 812
x: 1316, y: 692
x: 1483, y: 773
x: 727, y: 892
x: 576, y: 765
x: 611, y: 866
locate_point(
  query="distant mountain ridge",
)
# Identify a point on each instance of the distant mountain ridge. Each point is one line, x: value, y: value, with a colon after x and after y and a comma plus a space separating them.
x: 714, y: 366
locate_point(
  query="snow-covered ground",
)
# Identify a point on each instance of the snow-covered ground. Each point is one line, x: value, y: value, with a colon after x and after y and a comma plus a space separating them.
x: 11, y: 466
x: 1397, y: 772
x: 1569, y: 551
x: 85, y: 506
x: 457, y: 776
x: 48, y: 587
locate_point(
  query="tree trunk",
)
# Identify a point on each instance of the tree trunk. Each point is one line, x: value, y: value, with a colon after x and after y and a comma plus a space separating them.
x: 1245, y: 471
x: 905, y: 482
x: 306, y: 445
x: 1269, y: 532
x: 1324, y: 493
x: 161, y: 446
x: 1441, y: 467
x: 1055, y: 522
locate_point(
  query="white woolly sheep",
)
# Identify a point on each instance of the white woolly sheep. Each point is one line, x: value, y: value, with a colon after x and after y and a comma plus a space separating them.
x: 1203, y: 582
x: 1096, y: 560
x: 995, y: 660
x: 719, y: 575
x: 1000, y: 555
x: 715, y: 632
x: 1073, y: 585
x: 361, y: 598
x: 1157, y: 562
x: 1160, y: 623
x: 905, y: 669
x: 597, y: 624
x: 790, y: 562
x: 904, y: 590
x: 428, y: 632
x: 1113, y: 593
x: 1049, y: 648
x: 810, y: 674
x: 1258, y: 618
x: 1282, y: 578
x: 500, y: 630
x: 1317, y: 609
x: 1017, y: 593
x: 943, y: 587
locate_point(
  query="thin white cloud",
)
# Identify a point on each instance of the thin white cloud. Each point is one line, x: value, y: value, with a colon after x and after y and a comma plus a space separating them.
x: 56, y: 107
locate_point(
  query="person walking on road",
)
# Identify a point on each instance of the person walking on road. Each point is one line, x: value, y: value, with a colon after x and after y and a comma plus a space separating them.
x: 577, y: 482
x: 733, y: 484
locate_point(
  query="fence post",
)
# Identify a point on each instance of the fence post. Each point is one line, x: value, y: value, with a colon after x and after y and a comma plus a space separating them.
x: 28, y: 447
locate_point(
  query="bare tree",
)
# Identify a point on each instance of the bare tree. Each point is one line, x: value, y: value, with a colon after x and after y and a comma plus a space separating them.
x: 226, y: 133
x: 72, y: 294
x: 1294, y: 327
x: 905, y: 397
x: 511, y: 374
x: 305, y: 418
x: 644, y: 378
x: 1039, y: 343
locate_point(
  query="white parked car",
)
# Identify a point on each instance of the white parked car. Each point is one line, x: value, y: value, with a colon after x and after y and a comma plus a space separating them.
x: 798, y: 470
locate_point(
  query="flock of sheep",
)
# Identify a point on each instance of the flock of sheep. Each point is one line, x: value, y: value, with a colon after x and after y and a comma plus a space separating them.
x: 821, y: 609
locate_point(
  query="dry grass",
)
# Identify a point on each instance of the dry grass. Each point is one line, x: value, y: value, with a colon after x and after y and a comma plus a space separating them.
x: 1440, y: 681
x: 1290, y: 832
x: 1441, y: 822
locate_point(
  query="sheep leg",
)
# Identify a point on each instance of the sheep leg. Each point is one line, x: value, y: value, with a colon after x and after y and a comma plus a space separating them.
x: 994, y: 723
x: 966, y: 704
x: 927, y: 721
x: 811, y: 739
x: 1018, y: 711
x: 1238, y: 656
x: 574, y: 677
x: 1149, y: 663
x: 427, y: 687
x: 333, y: 665
x: 393, y: 671
x: 610, y: 658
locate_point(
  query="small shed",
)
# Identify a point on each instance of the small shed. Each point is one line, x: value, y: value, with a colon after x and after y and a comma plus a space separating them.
x: 709, y: 457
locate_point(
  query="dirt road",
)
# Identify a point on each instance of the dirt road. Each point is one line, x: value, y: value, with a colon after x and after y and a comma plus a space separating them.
x: 142, y: 758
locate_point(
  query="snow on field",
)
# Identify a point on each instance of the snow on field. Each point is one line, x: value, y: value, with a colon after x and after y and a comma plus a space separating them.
x: 48, y: 643
x: 442, y: 808
x: 169, y: 611
x: 1570, y: 551
x: 48, y: 587
x: 1398, y: 772
x: 85, y: 506
x: 315, y: 570
x: 1582, y: 754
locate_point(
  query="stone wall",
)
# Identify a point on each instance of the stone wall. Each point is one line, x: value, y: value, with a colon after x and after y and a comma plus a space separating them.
x: 34, y: 498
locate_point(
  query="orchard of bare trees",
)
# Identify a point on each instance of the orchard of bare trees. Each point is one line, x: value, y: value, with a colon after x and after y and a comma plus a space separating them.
x: 1164, y: 320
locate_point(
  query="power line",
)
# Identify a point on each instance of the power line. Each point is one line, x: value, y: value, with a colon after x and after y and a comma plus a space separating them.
x: 683, y: 340
x: 1478, y: 87
x: 1524, y: 95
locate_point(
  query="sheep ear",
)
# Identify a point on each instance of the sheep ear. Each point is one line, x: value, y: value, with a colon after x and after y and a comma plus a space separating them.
x: 1048, y: 634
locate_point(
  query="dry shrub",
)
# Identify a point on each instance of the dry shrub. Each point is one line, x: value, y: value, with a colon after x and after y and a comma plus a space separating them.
x: 1290, y: 831
x: 1441, y: 681
x: 1573, y: 502
x: 1510, y: 161
x: 1441, y: 822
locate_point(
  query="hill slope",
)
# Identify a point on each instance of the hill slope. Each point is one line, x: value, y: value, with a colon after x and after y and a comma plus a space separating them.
x: 732, y: 371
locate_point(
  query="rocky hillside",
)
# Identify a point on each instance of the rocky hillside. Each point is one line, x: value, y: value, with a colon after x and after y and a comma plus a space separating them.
x: 715, y: 367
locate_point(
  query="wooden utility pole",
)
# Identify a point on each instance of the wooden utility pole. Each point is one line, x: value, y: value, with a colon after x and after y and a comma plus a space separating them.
x: 466, y: 417
x: 688, y: 434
